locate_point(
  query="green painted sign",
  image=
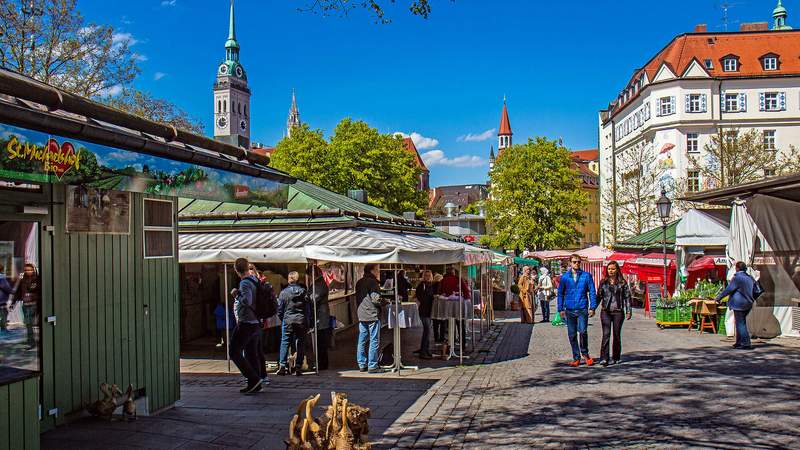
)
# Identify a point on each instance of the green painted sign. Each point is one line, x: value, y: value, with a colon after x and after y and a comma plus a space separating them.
x: 29, y: 155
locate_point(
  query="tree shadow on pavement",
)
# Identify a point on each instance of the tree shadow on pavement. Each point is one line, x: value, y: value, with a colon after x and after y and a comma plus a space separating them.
x: 706, y: 397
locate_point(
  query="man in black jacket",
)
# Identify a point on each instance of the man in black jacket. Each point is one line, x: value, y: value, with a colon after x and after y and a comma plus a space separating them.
x: 319, y: 295
x: 425, y: 292
x: 293, y: 309
x: 368, y: 296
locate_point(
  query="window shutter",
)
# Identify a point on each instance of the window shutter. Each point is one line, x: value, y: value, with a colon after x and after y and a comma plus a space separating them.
x: 647, y: 111
x: 722, y: 101
x: 658, y: 108
x: 703, y: 105
x: 761, y: 102
x: 687, y: 101
x: 742, y: 102
x: 672, y: 104
x: 782, y: 100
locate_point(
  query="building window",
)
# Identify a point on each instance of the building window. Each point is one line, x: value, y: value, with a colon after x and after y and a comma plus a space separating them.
x: 692, y: 142
x: 666, y: 106
x: 709, y: 64
x: 731, y: 103
x: 769, y: 140
x: 159, y: 228
x: 695, y: 103
x: 693, y: 180
x: 769, y: 172
x: 730, y: 65
x: 219, y: 106
x: 772, y: 101
x: 770, y: 63
x: 224, y: 106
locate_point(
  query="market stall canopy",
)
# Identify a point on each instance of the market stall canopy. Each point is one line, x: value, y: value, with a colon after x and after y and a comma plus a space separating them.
x: 650, y: 239
x: 595, y: 253
x: 621, y: 257
x: 548, y: 254
x: 357, y: 245
x: 698, y: 228
x: 526, y: 262
x: 502, y: 259
x: 707, y: 262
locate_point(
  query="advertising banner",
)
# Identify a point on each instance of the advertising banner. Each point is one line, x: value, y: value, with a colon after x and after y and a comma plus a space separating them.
x: 28, y: 155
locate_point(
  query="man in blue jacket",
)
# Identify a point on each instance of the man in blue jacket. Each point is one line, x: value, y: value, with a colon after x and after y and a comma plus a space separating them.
x: 740, y: 301
x: 577, y: 300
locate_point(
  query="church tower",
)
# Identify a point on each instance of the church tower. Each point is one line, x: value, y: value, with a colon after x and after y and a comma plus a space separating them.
x: 504, y: 134
x: 294, y: 116
x: 779, y: 15
x: 232, y: 95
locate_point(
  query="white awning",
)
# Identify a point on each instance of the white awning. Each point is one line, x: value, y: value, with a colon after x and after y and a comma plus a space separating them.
x: 697, y: 228
x: 357, y: 245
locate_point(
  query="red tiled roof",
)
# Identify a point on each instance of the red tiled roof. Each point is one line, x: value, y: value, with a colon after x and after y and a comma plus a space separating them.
x: 505, y: 124
x: 591, y: 154
x: 748, y: 47
x: 409, y: 144
x: 265, y: 151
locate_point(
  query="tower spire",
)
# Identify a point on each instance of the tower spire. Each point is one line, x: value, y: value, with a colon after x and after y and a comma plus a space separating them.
x: 779, y: 15
x: 232, y: 25
x: 504, y: 134
x: 294, y: 116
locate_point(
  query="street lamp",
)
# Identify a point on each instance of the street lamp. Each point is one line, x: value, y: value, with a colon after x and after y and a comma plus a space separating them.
x: 664, y: 206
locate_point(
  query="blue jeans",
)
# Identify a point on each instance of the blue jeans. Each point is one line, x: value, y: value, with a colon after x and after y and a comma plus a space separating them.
x: 577, y: 320
x: 371, y: 331
x: 294, y: 335
x: 742, y: 335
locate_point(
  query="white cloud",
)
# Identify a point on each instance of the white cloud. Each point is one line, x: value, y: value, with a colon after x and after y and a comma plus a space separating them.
x: 480, y: 137
x: 123, y: 38
x: 438, y: 158
x: 125, y: 20
x: 112, y: 91
x: 169, y: 2
x: 420, y: 141
x: 139, y: 57
x: 159, y: 75
x: 124, y: 156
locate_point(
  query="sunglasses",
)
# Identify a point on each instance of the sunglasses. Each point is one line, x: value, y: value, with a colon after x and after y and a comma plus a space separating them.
x: 575, y: 262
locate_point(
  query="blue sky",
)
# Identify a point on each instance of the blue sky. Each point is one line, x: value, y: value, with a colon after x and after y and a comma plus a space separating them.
x: 443, y: 78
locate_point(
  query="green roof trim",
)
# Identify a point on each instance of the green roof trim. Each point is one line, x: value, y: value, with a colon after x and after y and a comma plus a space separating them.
x: 526, y: 261
x: 304, y: 195
x: 651, y: 238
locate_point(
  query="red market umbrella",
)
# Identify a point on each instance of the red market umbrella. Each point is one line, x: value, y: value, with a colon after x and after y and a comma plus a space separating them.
x: 667, y: 147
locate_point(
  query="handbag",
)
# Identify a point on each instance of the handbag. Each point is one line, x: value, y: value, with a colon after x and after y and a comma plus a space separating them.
x: 758, y: 290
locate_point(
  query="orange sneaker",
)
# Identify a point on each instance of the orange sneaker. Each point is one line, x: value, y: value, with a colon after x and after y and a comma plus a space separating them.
x: 575, y: 363
x: 589, y: 361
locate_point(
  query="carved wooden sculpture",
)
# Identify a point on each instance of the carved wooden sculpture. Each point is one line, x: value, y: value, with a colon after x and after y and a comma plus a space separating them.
x: 343, y: 426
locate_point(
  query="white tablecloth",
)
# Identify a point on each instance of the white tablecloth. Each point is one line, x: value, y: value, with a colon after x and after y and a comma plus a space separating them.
x: 409, y: 315
x: 447, y: 308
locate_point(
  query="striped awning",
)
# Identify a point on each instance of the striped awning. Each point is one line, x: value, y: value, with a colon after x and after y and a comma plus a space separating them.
x: 358, y: 245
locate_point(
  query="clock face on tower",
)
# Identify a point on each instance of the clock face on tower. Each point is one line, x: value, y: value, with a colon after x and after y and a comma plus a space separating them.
x: 243, y: 125
x: 222, y: 121
x: 223, y: 69
x: 239, y: 71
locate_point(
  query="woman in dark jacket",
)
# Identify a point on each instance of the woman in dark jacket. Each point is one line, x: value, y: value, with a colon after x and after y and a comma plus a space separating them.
x: 30, y: 292
x: 615, y: 298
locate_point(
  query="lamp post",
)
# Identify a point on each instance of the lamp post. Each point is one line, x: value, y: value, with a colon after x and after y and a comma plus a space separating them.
x: 664, y: 205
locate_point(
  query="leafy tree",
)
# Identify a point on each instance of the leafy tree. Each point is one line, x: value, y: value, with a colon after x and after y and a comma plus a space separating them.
x: 734, y: 157
x: 421, y: 8
x: 637, y: 190
x: 50, y: 41
x: 144, y: 105
x: 535, y: 200
x: 357, y: 157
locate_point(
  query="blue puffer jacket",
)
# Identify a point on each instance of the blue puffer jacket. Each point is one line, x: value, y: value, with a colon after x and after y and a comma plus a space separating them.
x: 572, y: 294
x: 740, y: 292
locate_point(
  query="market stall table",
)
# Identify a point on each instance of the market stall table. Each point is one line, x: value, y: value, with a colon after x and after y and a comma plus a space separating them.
x: 451, y: 309
x: 409, y: 316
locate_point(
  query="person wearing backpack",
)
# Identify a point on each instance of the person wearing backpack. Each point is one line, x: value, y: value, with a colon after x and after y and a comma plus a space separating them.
x: 244, y: 340
x: 742, y: 292
x: 293, y: 310
x: 265, y: 307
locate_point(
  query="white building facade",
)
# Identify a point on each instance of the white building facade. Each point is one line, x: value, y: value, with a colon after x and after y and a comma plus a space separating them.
x: 697, y: 84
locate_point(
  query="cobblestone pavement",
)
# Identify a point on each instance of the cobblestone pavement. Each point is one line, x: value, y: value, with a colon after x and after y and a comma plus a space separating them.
x: 675, y: 389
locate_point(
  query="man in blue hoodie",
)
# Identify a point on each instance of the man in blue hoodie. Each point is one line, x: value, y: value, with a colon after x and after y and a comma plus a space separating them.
x: 740, y: 300
x: 577, y: 300
x: 244, y: 341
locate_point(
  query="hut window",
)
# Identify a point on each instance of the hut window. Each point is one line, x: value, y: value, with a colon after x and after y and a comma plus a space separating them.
x: 159, y: 228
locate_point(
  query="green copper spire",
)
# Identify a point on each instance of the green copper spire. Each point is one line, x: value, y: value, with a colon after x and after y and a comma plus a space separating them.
x: 231, y: 42
x: 779, y: 15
